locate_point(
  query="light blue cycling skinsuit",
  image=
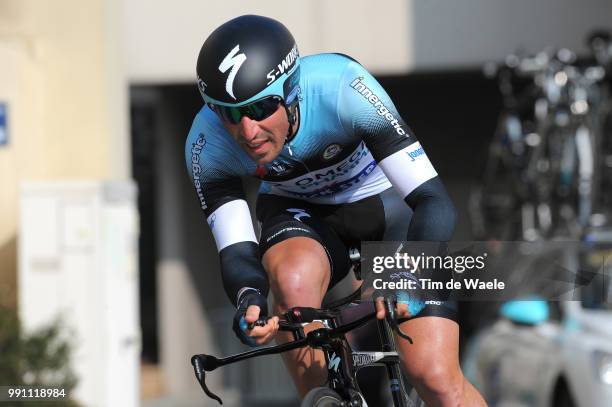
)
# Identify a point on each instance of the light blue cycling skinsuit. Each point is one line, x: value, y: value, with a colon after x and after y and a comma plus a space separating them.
x: 351, y: 144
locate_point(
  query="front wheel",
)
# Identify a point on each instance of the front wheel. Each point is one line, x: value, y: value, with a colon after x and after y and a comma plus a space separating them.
x: 322, y: 397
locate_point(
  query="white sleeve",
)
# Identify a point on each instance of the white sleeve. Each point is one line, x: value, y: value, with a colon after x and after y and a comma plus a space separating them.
x: 408, y: 168
x: 231, y: 223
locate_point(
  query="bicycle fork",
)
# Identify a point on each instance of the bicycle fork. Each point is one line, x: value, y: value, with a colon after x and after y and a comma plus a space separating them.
x: 393, y: 369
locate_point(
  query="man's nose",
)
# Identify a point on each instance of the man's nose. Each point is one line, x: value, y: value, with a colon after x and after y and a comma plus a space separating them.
x: 248, y: 128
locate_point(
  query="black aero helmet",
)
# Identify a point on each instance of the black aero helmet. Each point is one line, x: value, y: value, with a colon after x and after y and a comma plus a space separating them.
x: 248, y: 59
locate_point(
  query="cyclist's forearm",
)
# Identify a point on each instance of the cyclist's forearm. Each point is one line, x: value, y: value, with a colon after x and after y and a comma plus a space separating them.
x: 240, y: 268
x: 434, y: 215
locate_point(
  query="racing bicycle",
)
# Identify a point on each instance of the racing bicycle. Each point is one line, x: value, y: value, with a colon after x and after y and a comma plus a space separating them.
x: 342, y: 361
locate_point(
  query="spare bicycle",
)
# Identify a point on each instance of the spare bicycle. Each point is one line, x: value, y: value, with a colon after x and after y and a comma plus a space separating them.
x: 545, y: 173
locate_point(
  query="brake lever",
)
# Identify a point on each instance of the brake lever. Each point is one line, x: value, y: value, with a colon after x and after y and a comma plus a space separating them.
x: 197, y: 362
x: 390, y: 315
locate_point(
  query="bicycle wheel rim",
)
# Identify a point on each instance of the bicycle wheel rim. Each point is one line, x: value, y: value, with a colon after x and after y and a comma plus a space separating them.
x: 328, y: 401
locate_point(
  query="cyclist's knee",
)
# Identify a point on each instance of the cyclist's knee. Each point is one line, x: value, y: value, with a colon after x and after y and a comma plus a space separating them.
x: 293, y: 287
x: 299, y: 273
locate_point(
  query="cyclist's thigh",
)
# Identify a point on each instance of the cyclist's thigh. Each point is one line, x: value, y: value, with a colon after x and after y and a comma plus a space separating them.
x: 285, y: 218
x: 436, y: 344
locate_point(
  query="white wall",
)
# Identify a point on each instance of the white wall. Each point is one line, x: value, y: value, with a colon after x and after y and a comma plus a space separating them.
x: 163, y: 38
x: 62, y: 79
x: 469, y: 32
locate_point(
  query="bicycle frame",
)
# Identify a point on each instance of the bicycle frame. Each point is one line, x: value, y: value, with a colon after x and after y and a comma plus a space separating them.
x: 341, y: 361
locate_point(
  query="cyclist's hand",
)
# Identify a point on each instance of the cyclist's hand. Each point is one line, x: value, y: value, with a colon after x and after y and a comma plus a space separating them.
x: 251, y: 307
x: 401, y: 310
x: 260, y: 334
x: 406, y: 306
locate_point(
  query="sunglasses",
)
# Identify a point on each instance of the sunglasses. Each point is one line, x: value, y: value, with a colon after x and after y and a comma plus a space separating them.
x: 258, y: 110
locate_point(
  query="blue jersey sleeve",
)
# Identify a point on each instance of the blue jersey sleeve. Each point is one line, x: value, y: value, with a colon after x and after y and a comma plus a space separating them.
x: 215, y: 167
x: 207, y: 156
x: 366, y: 109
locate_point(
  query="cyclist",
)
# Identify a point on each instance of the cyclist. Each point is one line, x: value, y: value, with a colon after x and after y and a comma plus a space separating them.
x: 335, y: 160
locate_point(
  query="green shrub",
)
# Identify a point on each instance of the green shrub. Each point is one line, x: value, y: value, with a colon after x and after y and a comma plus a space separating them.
x: 37, y: 359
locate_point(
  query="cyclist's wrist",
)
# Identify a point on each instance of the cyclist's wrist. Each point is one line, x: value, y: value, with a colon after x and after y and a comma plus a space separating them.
x: 251, y: 296
x: 247, y: 297
x: 243, y: 292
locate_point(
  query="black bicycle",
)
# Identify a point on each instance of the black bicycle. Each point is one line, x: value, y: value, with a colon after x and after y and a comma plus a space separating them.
x: 545, y: 172
x: 342, y: 362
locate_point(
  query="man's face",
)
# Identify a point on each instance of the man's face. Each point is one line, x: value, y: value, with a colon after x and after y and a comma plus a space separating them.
x: 261, y: 140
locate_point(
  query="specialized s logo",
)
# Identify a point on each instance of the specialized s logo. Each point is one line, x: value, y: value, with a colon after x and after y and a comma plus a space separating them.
x: 299, y: 213
x: 234, y: 62
x: 334, y: 362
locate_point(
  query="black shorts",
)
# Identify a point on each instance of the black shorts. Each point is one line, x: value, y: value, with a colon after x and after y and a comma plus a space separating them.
x: 339, y: 227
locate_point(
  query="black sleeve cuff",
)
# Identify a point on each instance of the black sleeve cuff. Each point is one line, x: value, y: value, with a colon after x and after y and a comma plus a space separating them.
x: 241, y: 267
